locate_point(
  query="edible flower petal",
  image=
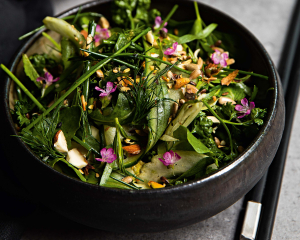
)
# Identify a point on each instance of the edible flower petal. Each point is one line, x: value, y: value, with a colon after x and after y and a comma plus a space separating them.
x: 172, y: 50
x: 108, y: 155
x: 245, y: 109
x: 101, y: 33
x: 169, y: 158
x: 158, y: 21
x: 48, y: 78
x: 109, y: 89
x: 219, y: 57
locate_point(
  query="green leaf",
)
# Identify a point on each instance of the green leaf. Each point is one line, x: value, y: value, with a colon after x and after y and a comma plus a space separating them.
x: 66, y: 170
x: 188, y: 142
x: 70, y: 118
x: 234, y: 91
x: 122, y: 111
x: 201, y: 35
x: 30, y: 70
x: 254, y: 93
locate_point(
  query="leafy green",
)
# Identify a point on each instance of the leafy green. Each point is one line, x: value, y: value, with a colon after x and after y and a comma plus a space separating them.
x: 203, y: 127
x: 235, y: 92
x: 21, y: 108
x: 188, y: 142
x: 41, y: 61
x: 70, y: 118
x: 200, y: 35
x: 30, y: 70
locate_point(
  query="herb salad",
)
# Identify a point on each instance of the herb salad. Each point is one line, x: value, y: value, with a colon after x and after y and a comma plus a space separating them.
x: 141, y: 102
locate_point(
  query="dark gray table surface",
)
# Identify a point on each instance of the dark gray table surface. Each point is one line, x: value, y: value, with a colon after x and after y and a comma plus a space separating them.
x: 268, y: 20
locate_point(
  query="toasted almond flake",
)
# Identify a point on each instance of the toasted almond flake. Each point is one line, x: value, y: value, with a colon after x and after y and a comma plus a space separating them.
x: 150, y: 38
x: 174, y: 109
x: 225, y: 100
x: 99, y: 73
x: 181, y: 82
x: 76, y: 158
x: 196, y: 73
x: 60, y: 142
x: 228, y: 79
x: 196, y: 53
x: 192, y: 66
x: 217, y: 141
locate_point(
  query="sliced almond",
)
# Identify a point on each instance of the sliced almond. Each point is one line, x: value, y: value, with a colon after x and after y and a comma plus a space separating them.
x: 76, y: 158
x: 60, y: 142
x: 103, y: 23
x: 225, y: 100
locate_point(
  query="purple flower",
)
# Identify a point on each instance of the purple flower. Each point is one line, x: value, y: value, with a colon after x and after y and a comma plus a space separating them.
x: 172, y: 50
x: 158, y: 22
x: 108, y: 155
x: 109, y: 89
x: 170, y: 158
x: 244, y: 108
x: 48, y: 78
x: 219, y: 57
x: 101, y: 33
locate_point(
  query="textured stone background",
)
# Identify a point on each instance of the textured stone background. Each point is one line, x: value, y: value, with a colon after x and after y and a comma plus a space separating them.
x: 268, y: 20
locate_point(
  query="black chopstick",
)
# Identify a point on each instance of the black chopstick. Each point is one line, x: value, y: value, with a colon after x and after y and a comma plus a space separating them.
x: 268, y: 188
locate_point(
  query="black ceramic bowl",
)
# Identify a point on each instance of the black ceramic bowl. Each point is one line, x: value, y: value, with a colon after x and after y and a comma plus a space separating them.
x: 161, y: 209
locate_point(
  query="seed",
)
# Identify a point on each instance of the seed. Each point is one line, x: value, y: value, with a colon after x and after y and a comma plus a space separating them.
x: 217, y: 141
x: 76, y: 38
x: 240, y: 149
x: 223, y: 143
x: 182, y: 101
x: 127, y: 179
x: 164, y: 180
x: 203, y: 91
x: 59, y: 125
x: 196, y: 73
x: 225, y: 100
x: 91, y: 107
x: 97, y: 175
x: 225, y: 93
x: 99, y: 74
x: 103, y: 23
x: 163, y: 34
x: 174, y: 110
x: 187, y: 61
x: 200, y: 62
x: 115, y: 70
x: 214, y: 98
x: 86, y: 54
x: 176, y: 31
x: 192, y: 66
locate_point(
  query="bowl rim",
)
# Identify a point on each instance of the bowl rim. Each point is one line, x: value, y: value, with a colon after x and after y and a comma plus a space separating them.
x: 192, y: 183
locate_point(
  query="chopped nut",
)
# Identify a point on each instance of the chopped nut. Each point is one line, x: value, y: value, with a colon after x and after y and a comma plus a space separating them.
x: 196, y: 73
x: 192, y: 66
x: 91, y: 107
x: 214, y: 98
x: 104, y: 23
x: 124, y: 89
x: 228, y: 79
x: 89, y: 39
x: 187, y: 61
x: 60, y: 142
x: 225, y: 100
x: 115, y: 70
x: 150, y: 38
x: 97, y: 175
x: 182, y: 101
x: 170, y: 75
x: 181, y: 82
x: 203, y: 91
x: 217, y: 141
x: 66, y: 102
x: 99, y: 73
x: 196, y: 53
x: 81, y: 171
x: 225, y: 93
x: 230, y: 61
x: 152, y: 68
x: 126, y: 70
x: 174, y: 109
x: 169, y: 85
x: 214, y: 119
x: 164, y: 180
x: 133, y: 149
x: 223, y: 143
x: 191, y: 89
x: 200, y: 62
x: 169, y: 120
x: 76, y: 158
x: 86, y: 54
x: 165, y: 79
x: 127, y: 179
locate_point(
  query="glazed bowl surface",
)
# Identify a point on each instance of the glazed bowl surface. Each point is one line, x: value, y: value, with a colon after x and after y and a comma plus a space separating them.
x: 161, y: 209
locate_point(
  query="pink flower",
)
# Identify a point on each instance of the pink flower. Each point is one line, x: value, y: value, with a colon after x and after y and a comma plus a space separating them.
x: 101, y: 33
x: 172, y: 50
x: 244, y: 108
x: 108, y: 155
x: 217, y: 58
x: 109, y: 89
x: 170, y: 158
x: 158, y: 22
x: 48, y: 78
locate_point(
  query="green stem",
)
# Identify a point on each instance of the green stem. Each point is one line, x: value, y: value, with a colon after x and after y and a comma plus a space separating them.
x: 105, y: 56
x: 52, y: 40
x: 144, y: 56
x: 166, y: 19
x: 86, y: 76
x: 239, y: 124
x: 222, y: 122
x: 247, y: 73
x: 197, y: 11
x: 25, y: 90
x: 85, y: 145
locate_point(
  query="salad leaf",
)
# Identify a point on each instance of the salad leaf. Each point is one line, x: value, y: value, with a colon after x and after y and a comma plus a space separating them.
x: 41, y: 61
x: 30, y: 70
